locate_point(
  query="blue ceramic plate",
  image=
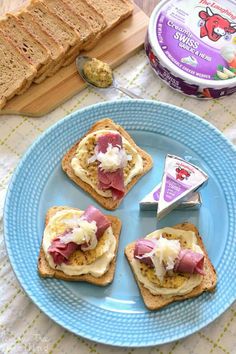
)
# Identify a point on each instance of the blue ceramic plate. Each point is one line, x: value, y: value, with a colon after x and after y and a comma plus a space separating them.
x: 115, y: 314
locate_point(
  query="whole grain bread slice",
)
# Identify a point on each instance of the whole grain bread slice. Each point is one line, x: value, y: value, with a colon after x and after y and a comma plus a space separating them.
x: 155, y: 302
x: 112, y: 11
x: 107, y: 203
x: 16, y: 70
x: 58, y: 29
x: 46, y: 271
x: 28, y: 45
x: 55, y: 49
x: 75, y: 21
x: 89, y: 14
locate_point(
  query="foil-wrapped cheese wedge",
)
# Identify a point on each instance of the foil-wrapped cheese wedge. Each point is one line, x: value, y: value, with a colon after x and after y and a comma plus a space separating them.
x: 150, y: 201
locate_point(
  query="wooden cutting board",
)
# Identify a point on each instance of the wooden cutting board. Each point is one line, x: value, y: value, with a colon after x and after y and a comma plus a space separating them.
x: 114, y: 48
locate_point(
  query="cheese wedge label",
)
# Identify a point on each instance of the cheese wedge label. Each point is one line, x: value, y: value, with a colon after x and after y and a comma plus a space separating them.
x: 180, y: 180
x: 156, y: 194
x: 173, y: 188
x: 150, y: 201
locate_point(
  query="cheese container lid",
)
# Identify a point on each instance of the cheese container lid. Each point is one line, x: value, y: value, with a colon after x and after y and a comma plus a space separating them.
x: 196, y: 40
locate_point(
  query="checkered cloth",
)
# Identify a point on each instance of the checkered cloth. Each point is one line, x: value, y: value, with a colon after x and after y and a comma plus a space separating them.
x: 23, y: 327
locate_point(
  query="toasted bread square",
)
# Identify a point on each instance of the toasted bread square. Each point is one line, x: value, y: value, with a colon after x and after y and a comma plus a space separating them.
x: 45, y: 271
x: 156, y: 302
x: 107, y: 203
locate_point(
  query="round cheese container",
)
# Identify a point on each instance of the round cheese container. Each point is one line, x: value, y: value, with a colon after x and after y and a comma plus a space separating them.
x: 191, y: 45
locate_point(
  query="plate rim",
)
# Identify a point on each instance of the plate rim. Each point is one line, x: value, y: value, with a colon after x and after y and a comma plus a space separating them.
x: 10, y: 190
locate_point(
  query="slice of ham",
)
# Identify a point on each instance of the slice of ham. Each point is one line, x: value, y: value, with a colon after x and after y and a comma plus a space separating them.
x: 143, y: 247
x: 102, y: 222
x: 186, y: 262
x: 61, y: 252
x: 114, y: 139
x: 114, y: 181
x: 189, y: 262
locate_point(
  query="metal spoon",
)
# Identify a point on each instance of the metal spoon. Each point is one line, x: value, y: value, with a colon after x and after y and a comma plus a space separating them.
x: 81, y: 60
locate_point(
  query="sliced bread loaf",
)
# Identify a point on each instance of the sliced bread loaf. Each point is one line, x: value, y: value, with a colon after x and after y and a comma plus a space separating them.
x: 112, y: 11
x: 26, y: 43
x: 58, y: 29
x: 74, y: 50
x: 56, y: 50
x: 89, y: 14
x: 16, y: 70
x: 75, y: 21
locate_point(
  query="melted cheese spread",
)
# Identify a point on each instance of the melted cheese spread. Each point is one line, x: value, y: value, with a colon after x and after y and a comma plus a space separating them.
x: 133, y: 168
x: 57, y: 225
x: 188, y: 240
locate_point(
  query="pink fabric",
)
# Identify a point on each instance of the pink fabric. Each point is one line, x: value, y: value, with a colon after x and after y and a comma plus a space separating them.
x: 114, y: 181
x: 61, y: 252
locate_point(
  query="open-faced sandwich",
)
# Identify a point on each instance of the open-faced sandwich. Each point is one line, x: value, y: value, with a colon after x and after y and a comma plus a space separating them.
x: 170, y: 265
x: 79, y: 245
x: 106, y: 163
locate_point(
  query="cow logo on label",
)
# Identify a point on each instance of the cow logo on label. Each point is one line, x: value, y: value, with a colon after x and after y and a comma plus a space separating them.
x: 152, y: 57
x: 181, y: 173
x: 214, y: 26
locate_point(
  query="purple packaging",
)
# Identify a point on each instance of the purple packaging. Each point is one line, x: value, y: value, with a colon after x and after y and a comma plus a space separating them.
x: 191, y: 45
x: 180, y: 180
x: 150, y: 201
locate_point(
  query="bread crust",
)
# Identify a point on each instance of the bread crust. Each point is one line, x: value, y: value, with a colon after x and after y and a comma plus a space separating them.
x: 45, y: 271
x: 10, y: 53
x: 156, y: 302
x: 107, y: 203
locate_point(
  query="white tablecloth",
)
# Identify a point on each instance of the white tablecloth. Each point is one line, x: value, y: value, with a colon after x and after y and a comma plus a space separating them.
x: 23, y: 327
